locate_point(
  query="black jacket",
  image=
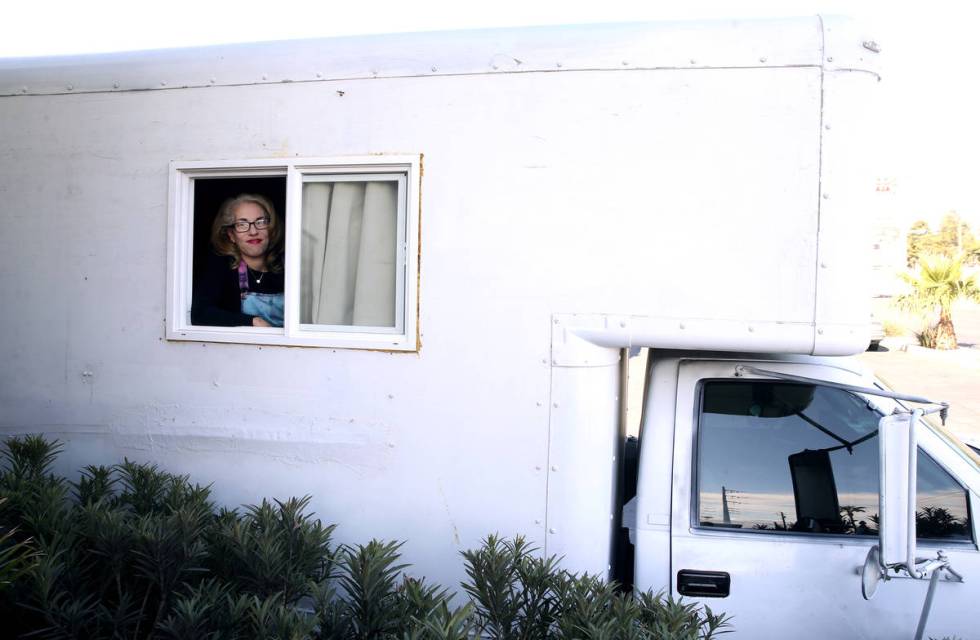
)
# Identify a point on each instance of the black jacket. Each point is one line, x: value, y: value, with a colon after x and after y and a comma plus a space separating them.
x: 217, y: 301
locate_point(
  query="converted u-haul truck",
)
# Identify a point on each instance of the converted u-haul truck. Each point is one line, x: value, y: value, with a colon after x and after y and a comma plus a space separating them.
x: 478, y: 228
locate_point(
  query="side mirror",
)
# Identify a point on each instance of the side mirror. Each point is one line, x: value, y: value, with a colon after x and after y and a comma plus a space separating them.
x: 897, y: 464
x: 898, y: 453
x: 898, y: 456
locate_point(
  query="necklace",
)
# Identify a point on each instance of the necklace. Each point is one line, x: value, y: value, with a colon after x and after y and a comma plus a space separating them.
x: 258, y: 275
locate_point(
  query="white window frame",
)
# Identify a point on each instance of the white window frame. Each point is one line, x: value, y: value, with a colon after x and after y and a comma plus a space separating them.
x: 406, y: 169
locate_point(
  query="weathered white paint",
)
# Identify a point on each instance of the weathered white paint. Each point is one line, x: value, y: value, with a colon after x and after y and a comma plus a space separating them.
x: 584, y: 189
x: 684, y: 45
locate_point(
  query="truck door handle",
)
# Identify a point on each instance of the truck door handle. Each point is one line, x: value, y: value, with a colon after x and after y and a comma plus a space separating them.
x: 703, y: 584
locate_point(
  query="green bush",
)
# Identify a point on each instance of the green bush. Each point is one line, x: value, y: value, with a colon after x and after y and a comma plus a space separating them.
x: 134, y: 552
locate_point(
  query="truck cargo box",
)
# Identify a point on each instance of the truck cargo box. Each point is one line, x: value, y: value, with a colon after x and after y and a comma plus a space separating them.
x: 560, y: 194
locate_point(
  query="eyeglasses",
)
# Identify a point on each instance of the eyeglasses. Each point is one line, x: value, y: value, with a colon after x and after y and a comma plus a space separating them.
x: 242, y: 226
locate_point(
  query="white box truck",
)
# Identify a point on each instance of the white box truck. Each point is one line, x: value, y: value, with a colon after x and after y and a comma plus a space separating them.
x: 478, y: 227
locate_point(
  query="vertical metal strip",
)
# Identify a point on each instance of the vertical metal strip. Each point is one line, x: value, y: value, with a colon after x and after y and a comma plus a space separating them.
x: 820, y: 184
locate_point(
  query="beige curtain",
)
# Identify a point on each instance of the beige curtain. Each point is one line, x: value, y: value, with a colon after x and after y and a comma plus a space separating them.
x: 348, y: 253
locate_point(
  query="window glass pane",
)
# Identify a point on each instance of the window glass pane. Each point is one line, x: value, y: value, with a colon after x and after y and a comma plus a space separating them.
x: 348, y: 253
x: 940, y: 504
x: 217, y: 291
x: 795, y: 457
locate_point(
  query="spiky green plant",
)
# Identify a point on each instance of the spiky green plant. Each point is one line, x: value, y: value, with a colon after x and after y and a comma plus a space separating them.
x: 443, y: 623
x: 30, y: 456
x: 17, y: 557
x: 273, y: 547
x: 370, y: 599
x: 270, y: 620
x: 518, y: 595
x: 515, y: 592
x: 208, y: 611
x: 593, y: 608
x: 369, y: 576
x: 419, y: 600
x: 134, y: 552
x: 96, y: 483
x: 938, y: 283
x: 665, y: 617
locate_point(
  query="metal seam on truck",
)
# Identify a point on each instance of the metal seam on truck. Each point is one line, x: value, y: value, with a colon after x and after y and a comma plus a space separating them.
x: 820, y: 186
x: 113, y: 90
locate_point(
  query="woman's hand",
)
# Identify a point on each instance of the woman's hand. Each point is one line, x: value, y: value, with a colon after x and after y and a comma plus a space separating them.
x: 259, y: 322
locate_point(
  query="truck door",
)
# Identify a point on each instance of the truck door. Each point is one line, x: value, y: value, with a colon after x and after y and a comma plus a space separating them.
x: 775, y: 504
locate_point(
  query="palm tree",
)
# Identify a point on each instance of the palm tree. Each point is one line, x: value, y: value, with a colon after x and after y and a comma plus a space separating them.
x: 850, y: 522
x: 938, y: 522
x: 938, y: 283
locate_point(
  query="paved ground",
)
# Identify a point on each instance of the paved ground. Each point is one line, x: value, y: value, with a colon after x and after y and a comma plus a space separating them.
x: 953, y: 376
x: 966, y: 318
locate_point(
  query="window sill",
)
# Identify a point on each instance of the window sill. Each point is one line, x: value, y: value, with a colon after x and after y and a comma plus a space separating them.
x: 270, y: 336
x: 828, y: 538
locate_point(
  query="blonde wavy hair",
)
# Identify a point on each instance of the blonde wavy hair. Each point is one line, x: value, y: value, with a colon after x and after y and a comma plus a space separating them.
x: 225, y: 220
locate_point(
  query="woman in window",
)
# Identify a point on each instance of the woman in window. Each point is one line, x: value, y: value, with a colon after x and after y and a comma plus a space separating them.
x: 242, y: 285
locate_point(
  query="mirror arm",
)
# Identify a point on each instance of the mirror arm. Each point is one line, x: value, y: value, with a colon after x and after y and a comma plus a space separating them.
x: 942, y: 407
x: 942, y: 410
x: 927, y: 606
x: 958, y: 577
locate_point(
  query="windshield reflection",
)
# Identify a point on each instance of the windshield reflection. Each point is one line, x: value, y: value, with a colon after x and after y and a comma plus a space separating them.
x: 776, y: 456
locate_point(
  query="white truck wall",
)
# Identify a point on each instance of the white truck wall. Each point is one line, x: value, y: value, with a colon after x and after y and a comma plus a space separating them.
x: 666, y: 194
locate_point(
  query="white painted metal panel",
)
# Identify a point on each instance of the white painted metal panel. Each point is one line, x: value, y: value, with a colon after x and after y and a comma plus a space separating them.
x: 652, y: 536
x: 582, y: 465
x: 723, y: 43
x: 672, y: 194
x: 847, y: 183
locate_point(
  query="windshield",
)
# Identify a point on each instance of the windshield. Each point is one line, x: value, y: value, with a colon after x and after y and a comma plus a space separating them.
x: 934, y: 424
x: 968, y: 452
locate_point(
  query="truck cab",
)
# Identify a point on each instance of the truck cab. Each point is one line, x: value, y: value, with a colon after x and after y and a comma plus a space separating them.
x: 760, y: 497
